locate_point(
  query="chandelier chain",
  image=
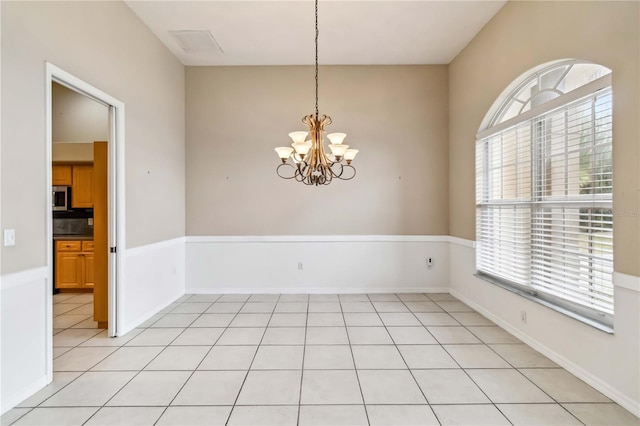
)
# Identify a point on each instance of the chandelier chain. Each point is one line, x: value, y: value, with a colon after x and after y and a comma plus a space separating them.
x: 317, y: 33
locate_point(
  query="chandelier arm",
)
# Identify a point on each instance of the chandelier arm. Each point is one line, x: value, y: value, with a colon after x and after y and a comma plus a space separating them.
x: 285, y: 177
x: 350, y: 177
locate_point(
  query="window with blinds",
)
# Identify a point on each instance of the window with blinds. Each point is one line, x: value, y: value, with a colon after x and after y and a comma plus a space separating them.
x: 544, y: 198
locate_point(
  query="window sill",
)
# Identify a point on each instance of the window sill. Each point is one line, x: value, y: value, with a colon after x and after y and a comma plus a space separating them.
x: 607, y: 328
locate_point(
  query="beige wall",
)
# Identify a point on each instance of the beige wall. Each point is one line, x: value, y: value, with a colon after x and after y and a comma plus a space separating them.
x: 77, y: 118
x: 395, y: 115
x: 63, y: 151
x: 106, y: 45
x: 521, y: 36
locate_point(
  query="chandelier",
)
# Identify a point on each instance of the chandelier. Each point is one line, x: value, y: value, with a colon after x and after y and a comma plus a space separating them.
x: 309, y: 162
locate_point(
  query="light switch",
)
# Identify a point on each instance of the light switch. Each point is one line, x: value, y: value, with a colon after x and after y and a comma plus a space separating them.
x: 9, y: 237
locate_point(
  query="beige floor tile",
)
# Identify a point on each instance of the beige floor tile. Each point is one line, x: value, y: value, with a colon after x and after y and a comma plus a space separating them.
x: 327, y: 336
x: 330, y: 357
x: 406, y: 415
x: 353, y: 298
x: 225, y: 308
x: 250, y: 320
x: 88, y: 323
x: 199, y: 390
x: 426, y: 356
x: 493, y: 334
x: 329, y: 319
x: 59, y: 351
x: 278, y: 358
x: 538, y: 414
x: 330, y: 387
x: 197, y: 298
x: 377, y: 357
x: 86, y: 309
x: 258, y: 308
x: 90, y: 389
x: 175, y: 320
x: 155, y: 337
x: 60, y: 380
x: 454, y: 306
x: 284, y: 336
x: 383, y: 297
x: 213, y: 320
x: 191, y: 308
x: 436, y: 318
x: 81, y: 359
x: 365, y: 306
x: 522, y: 356
x: 241, y: 336
x: 57, y: 416
x: 179, y: 358
x: 63, y: 297
x: 602, y: 414
x: 362, y: 320
x: 411, y: 336
x: 413, y: 297
x: 152, y: 320
x: 441, y: 297
x: 198, y: 337
x: 80, y: 298
x: 68, y: 320
x: 449, y: 387
x: 228, y: 358
x: 234, y: 298
x: 389, y: 387
x: 563, y: 386
x: 288, y: 320
x: 369, y: 336
x: 271, y: 388
x: 195, y: 416
x: 126, y: 416
x: 470, y: 318
x: 423, y: 307
x: 103, y: 339
x: 452, y: 335
x: 469, y: 415
x: 476, y: 356
x: 261, y: 298
x: 151, y: 388
x: 263, y: 415
x: 61, y: 308
x: 293, y: 298
x: 399, y: 319
x: 129, y: 358
x: 332, y: 415
x: 13, y: 415
x: 507, y: 386
x: 323, y: 298
x: 324, y: 306
x: 390, y: 306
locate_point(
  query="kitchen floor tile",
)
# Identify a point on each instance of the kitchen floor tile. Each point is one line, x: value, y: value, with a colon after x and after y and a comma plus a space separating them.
x: 383, y: 297
x: 195, y: 416
x: 175, y: 320
x: 389, y: 387
x: 270, y: 388
x: 413, y: 297
x: 475, y: 356
x: 426, y: 356
x: 241, y: 336
x: 57, y: 416
x: 61, y: 308
x: 423, y: 307
x: 205, y: 336
x: 291, y: 307
x: 213, y: 320
x: 390, y: 307
x: 324, y: 306
x: 256, y: 298
x: 469, y: 415
x: 602, y: 414
x: 330, y: 387
x: 563, y: 386
x: 284, y: 336
x: 229, y: 358
x: 103, y: 339
x: 323, y: 298
x: 454, y: 306
x: 151, y: 388
x: 436, y: 318
x: 332, y: 415
x: 362, y: 320
x: 442, y: 297
x: 327, y: 336
x: 197, y: 298
x: 88, y: 323
x: 377, y: 357
x: 278, y: 358
x: 357, y: 306
x: 126, y: 416
x: 522, y: 356
x: 470, y: 318
x: 315, y: 319
x: 493, y: 334
x: 234, y: 298
x: 90, y: 389
x: 258, y: 308
x: 369, y: 336
x: 60, y: 380
x: 179, y: 358
x: 449, y: 387
x: 538, y: 414
x: 13, y: 415
x: 288, y: 320
x: 129, y: 358
x: 264, y: 415
x: 73, y: 337
x: 507, y: 386
x: 250, y: 320
x: 224, y: 308
x: 294, y: 298
x: 452, y: 335
x: 399, y: 319
x: 191, y: 308
x: 60, y: 351
x: 330, y: 357
x: 406, y: 415
x: 211, y: 388
x: 155, y: 337
x: 411, y: 336
x: 81, y: 359
x: 353, y: 298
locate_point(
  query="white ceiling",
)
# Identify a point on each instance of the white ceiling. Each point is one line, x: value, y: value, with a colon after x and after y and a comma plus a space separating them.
x: 269, y: 32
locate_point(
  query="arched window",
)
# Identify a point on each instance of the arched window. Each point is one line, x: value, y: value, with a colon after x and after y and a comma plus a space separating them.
x: 544, y: 180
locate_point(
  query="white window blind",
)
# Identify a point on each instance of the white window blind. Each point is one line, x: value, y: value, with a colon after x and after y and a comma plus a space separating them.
x: 544, y: 205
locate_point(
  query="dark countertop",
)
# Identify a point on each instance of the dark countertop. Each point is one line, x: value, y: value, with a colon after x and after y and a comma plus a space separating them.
x: 72, y: 237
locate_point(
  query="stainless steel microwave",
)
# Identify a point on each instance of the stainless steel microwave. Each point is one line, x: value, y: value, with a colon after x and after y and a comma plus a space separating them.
x: 61, y: 198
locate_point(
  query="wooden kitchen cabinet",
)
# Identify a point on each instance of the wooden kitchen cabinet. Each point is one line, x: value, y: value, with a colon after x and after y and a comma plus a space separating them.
x: 74, y: 264
x: 82, y: 187
x: 61, y: 176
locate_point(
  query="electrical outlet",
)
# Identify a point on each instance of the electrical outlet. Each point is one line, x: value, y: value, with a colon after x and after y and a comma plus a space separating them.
x: 299, y: 266
x: 429, y: 262
x: 9, y: 237
x: 523, y: 316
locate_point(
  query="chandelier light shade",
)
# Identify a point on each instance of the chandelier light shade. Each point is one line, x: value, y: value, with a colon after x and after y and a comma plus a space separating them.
x: 310, y: 163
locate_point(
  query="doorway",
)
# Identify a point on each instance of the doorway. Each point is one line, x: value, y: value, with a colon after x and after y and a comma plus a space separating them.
x: 108, y: 177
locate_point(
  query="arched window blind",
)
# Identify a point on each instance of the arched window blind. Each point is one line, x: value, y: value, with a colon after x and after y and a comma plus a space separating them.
x: 544, y: 180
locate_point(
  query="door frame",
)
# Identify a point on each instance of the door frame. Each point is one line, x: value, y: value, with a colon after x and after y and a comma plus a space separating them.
x: 116, y: 198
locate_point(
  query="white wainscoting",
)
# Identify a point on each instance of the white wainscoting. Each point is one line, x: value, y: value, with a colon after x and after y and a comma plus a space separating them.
x: 154, y: 277
x: 23, y: 335
x: 608, y: 362
x: 329, y: 264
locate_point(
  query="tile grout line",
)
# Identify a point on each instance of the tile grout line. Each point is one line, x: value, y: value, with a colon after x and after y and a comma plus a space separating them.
x: 304, y: 351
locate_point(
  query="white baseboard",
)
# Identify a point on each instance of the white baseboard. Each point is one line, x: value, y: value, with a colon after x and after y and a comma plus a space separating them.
x: 310, y: 290
x: 629, y: 282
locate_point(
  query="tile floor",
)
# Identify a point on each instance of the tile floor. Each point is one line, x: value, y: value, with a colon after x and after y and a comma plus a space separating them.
x: 379, y: 359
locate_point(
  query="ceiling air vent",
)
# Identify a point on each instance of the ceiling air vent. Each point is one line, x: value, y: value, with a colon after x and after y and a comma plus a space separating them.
x: 196, y: 41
